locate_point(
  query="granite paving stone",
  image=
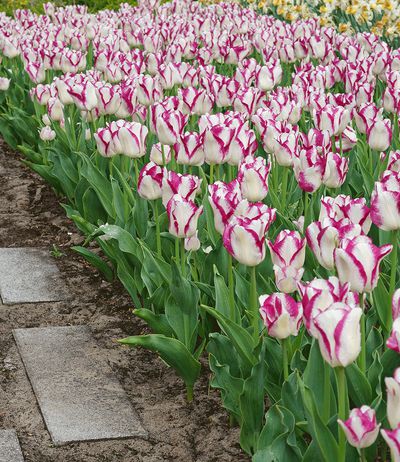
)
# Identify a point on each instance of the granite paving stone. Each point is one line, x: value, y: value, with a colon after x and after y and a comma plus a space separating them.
x: 28, y: 275
x: 78, y: 394
x: 10, y: 450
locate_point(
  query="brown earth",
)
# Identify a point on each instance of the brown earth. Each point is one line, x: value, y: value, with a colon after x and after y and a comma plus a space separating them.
x: 30, y: 216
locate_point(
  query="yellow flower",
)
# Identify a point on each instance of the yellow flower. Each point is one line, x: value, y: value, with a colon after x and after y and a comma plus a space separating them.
x: 323, y: 9
x: 343, y: 27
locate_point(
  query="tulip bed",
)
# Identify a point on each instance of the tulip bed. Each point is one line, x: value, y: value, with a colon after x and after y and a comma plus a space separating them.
x: 240, y: 176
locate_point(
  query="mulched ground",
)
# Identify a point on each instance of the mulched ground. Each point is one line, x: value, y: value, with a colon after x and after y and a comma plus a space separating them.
x: 30, y: 216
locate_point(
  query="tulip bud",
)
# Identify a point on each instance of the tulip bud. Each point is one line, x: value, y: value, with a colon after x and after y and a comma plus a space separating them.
x: 253, y: 178
x: 192, y: 243
x: 393, y: 399
x: 150, y: 181
x: 357, y: 262
x: 339, y: 334
x: 281, y: 315
x: 361, y: 428
x: 55, y: 109
x: 183, y: 215
x: 268, y: 76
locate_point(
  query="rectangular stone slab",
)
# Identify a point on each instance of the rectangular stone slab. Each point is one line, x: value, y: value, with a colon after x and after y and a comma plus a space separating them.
x: 28, y: 275
x: 10, y: 450
x: 78, y: 394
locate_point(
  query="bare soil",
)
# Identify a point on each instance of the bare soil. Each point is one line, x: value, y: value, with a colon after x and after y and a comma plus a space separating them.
x: 30, y: 216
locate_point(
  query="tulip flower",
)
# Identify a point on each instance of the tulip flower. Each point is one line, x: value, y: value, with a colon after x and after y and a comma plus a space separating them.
x: 148, y: 90
x: 253, y: 178
x: 268, y: 76
x: 333, y: 119
x: 338, y: 333
x: 392, y: 438
x: 309, y: 168
x: 396, y: 305
x: 394, y: 161
x: 150, y: 181
x: 55, y: 109
x: 361, y: 428
x: 244, y: 239
x: 47, y: 134
x: 189, y: 149
x: 288, y: 255
x: 319, y: 294
x: 281, y: 315
x: 183, y: 215
x: 160, y: 154
x: 217, y: 144
x: 385, y: 202
x: 169, y: 126
x: 347, y: 210
x: 336, y: 168
x: 130, y: 139
x: 393, y: 342
x: 323, y: 237
x: 84, y: 96
x: 224, y: 199
x: 379, y: 134
x: 357, y: 262
x: 4, y: 83
x: 393, y: 399
x: 186, y: 186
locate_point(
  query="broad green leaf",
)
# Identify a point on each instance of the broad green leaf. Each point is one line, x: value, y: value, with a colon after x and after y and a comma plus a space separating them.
x: 359, y: 388
x: 157, y: 322
x: 252, y: 405
x: 240, y: 338
x: 172, y: 351
x: 96, y: 261
x: 231, y: 387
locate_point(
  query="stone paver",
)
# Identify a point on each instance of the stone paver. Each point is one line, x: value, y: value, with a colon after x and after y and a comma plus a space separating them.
x: 10, y: 450
x: 78, y: 394
x: 28, y: 275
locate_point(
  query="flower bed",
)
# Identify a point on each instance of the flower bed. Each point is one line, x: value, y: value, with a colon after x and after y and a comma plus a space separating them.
x: 241, y: 178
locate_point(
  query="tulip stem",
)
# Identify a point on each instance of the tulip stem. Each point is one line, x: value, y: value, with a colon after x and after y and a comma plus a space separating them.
x: 211, y: 173
x: 231, y: 288
x: 362, y: 360
x: 254, y: 301
x: 285, y: 360
x: 157, y: 221
x: 341, y: 388
x: 136, y: 171
x: 327, y: 393
x: 393, y: 269
x: 363, y: 457
x: 177, y: 259
x: 284, y: 187
x: 183, y: 262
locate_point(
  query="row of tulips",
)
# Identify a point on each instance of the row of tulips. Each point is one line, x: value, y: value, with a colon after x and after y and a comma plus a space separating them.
x: 241, y: 177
